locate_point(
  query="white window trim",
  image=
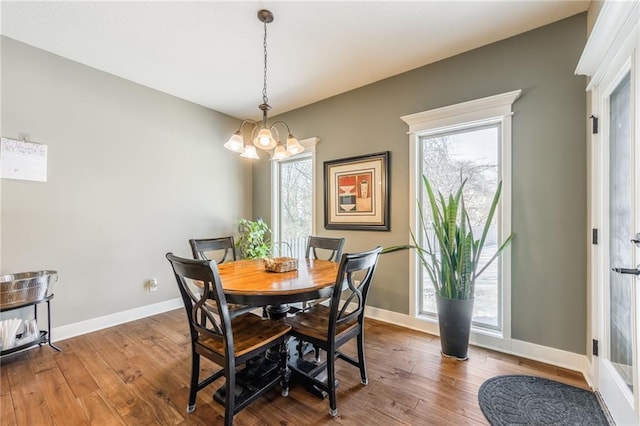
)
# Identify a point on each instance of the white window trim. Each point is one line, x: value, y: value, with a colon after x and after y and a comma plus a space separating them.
x: 310, y: 145
x: 492, y: 109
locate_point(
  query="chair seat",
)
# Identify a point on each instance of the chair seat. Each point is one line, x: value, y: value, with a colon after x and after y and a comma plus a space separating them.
x: 234, y: 309
x: 249, y: 332
x: 314, y: 322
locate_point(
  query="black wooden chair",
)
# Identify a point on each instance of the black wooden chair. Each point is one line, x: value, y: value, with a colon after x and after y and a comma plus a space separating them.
x: 225, y: 341
x: 325, y: 248
x: 221, y: 249
x: 329, y: 328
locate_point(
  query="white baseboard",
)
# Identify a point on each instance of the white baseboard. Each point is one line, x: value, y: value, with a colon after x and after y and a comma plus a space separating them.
x: 552, y: 356
x: 589, y: 373
x: 557, y: 357
x: 94, y: 324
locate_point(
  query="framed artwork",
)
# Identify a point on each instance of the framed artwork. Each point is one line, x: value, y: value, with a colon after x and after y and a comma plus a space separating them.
x: 356, y: 193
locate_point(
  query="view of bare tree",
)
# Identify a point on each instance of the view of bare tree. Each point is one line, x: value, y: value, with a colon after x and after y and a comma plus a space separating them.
x: 445, y: 172
x: 447, y: 160
x: 295, y: 199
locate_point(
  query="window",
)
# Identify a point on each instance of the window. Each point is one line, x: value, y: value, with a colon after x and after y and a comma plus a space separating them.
x: 293, y: 199
x: 471, y: 140
x: 472, y: 154
x: 296, y: 194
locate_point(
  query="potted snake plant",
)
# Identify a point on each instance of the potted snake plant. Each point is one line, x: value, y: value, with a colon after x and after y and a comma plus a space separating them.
x: 451, y: 259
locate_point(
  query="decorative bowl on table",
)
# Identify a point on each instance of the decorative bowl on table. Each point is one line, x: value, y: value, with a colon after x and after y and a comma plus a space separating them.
x: 280, y: 264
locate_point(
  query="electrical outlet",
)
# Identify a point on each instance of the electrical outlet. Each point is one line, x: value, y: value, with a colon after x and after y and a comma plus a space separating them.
x: 153, y: 284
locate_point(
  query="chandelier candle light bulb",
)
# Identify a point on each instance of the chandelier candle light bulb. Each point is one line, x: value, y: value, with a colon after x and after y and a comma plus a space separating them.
x: 264, y: 139
x: 235, y: 143
x: 280, y: 152
x: 293, y: 146
x: 250, y: 152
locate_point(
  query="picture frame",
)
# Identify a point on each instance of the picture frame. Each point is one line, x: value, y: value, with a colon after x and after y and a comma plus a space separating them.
x: 356, y: 193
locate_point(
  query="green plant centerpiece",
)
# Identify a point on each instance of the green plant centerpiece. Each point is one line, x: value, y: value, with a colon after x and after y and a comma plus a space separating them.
x: 451, y: 258
x: 254, y: 239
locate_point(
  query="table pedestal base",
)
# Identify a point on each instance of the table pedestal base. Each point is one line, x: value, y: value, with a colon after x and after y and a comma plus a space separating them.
x: 301, y: 368
x: 264, y: 369
x: 258, y: 375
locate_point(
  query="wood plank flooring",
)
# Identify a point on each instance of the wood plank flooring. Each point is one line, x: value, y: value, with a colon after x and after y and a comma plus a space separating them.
x: 138, y: 374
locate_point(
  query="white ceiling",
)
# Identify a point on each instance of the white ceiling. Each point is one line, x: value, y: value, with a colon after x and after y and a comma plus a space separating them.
x: 210, y: 52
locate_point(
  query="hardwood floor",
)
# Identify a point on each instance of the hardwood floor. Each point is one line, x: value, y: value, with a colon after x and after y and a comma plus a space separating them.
x: 138, y: 374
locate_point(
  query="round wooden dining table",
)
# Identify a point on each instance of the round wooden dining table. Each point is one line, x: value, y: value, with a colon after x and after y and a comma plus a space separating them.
x: 247, y: 282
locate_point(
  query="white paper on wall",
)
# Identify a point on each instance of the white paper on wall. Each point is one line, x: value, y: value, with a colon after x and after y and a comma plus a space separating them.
x: 23, y: 160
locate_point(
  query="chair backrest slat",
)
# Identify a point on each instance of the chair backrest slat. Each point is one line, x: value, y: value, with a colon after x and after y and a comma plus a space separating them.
x: 203, y: 249
x: 351, y: 289
x: 210, y: 320
x: 317, y: 246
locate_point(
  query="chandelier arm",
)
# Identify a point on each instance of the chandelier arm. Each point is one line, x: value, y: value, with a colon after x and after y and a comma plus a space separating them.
x: 254, y: 132
x: 277, y: 134
x: 248, y: 120
x: 273, y: 126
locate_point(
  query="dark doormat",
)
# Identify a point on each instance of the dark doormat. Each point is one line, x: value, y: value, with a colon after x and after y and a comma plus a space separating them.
x: 527, y: 400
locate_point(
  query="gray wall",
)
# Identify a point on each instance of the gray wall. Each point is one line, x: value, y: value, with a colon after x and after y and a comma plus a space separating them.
x: 549, y: 169
x: 133, y: 173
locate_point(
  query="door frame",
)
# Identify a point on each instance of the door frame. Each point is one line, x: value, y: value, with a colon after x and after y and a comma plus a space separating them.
x: 622, y: 406
x: 611, y: 51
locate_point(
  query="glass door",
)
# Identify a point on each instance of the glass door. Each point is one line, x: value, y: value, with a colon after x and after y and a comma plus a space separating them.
x: 618, y: 366
x: 611, y: 59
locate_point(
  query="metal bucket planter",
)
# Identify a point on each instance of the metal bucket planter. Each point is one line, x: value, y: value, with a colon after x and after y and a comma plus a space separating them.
x: 25, y: 288
x: 454, y: 320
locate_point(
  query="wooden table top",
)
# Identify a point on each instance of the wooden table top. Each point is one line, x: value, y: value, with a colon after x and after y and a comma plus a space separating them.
x: 247, y: 281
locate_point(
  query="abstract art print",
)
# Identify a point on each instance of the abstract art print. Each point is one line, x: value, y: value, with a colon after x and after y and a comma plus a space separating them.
x: 356, y: 193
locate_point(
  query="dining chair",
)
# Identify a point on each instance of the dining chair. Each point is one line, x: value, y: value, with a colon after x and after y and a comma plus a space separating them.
x: 325, y: 248
x: 330, y: 327
x: 223, y: 248
x: 225, y: 341
x: 220, y: 249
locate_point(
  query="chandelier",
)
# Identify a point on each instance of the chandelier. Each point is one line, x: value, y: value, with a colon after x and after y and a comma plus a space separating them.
x: 263, y: 135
